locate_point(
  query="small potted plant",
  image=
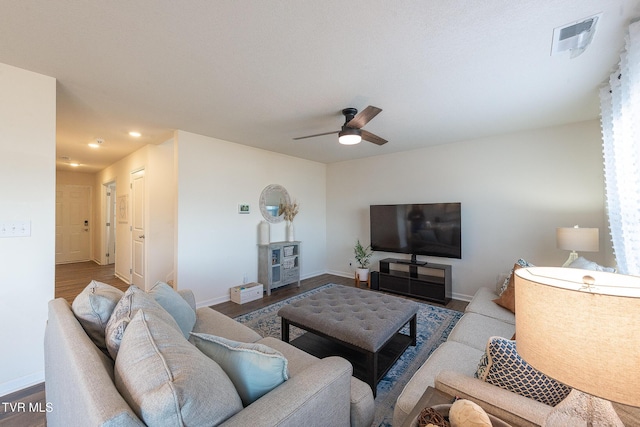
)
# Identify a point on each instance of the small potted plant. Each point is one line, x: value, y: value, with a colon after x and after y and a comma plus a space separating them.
x: 362, y: 258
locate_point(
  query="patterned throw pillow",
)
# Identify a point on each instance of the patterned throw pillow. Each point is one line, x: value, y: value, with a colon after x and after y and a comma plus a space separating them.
x: 502, y: 366
x: 133, y: 300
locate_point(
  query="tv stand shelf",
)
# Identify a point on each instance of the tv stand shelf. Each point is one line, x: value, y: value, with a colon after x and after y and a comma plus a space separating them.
x: 427, y: 281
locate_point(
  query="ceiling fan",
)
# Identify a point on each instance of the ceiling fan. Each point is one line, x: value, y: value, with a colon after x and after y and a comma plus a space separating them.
x: 352, y: 132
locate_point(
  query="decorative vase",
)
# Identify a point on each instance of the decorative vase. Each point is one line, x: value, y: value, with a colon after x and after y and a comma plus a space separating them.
x: 290, y: 235
x: 264, y: 233
x: 363, y: 274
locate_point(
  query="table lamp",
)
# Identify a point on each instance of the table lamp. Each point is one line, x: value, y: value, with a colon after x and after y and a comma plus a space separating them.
x: 581, y: 327
x: 577, y: 239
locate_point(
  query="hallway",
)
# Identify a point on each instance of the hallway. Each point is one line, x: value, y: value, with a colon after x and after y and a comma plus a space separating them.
x: 71, y: 279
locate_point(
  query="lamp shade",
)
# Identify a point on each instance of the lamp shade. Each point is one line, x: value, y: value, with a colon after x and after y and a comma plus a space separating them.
x: 585, y: 336
x: 578, y: 239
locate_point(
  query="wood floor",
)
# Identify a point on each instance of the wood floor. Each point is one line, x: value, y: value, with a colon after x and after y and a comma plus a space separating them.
x: 232, y: 309
x: 71, y: 279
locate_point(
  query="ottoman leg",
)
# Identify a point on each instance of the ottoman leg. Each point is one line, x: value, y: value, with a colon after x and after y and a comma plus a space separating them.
x: 284, y: 330
x: 413, y: 326
x: 372, y: 365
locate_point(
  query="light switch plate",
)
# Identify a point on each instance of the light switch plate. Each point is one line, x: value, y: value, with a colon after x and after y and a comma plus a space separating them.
x: 15, y: 229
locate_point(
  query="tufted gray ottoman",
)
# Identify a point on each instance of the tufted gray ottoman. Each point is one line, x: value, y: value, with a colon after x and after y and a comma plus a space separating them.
x: 363, y: 321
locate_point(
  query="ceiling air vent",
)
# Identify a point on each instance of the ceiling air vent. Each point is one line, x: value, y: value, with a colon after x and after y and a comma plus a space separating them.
x: 574, y: 37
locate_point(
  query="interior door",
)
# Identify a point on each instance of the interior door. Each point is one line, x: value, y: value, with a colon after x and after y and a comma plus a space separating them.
x: 138, y: 230
x: 73, y: 236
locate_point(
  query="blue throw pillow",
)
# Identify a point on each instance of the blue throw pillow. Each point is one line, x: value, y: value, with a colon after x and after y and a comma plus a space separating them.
x: 177, y: 306
x: 254, y: 369
x: 502, y: 366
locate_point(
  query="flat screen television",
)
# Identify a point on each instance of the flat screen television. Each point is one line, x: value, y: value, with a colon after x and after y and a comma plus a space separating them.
x: 432, y: 229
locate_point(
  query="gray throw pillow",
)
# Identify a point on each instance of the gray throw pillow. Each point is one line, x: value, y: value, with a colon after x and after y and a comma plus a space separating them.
x: 177, y: 306
x: 167, y: 381
x: 93, y: 308
x: 132, y: 301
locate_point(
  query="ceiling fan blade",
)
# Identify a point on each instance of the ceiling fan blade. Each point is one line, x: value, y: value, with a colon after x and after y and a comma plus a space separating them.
x: 363, y: 117
x: 368, y: 136
x: 317, y: 134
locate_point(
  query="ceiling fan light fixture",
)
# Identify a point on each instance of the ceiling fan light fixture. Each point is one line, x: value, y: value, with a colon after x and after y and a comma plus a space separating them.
x: 349, y: 136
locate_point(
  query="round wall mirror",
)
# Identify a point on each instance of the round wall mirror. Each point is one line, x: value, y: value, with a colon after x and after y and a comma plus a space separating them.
x: 270, y: 200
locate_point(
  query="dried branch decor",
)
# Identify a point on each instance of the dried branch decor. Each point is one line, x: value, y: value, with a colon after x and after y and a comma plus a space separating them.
x: 290, y: 210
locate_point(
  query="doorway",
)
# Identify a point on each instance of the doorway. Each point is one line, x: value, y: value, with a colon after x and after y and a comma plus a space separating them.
x: 73, y: 228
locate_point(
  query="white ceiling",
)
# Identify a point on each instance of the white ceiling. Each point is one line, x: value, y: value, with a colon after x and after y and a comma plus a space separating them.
x: 261, y: 72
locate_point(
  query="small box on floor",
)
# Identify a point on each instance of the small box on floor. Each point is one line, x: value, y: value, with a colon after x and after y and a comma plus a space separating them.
x: 246, y: 293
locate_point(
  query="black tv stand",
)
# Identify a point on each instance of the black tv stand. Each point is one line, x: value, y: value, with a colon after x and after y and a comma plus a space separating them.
x: 411, y: 262
x: 428, y: 281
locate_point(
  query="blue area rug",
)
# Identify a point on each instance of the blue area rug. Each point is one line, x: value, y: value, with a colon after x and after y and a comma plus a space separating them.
x: 434, y: 326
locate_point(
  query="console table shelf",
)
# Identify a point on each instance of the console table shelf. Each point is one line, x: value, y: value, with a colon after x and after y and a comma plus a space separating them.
x: 428, y: 281
x: 278, y: 264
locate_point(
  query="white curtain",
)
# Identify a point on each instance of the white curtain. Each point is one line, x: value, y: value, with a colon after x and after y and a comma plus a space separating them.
x: 620, y: 108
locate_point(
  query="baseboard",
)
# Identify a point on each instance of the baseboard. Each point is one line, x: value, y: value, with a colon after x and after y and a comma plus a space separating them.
x: 341, y: 273
x: 125, y: 280
x: 21, y: 383
x: 461, y: 297
x: 221, y: 299
x: 213, y: 301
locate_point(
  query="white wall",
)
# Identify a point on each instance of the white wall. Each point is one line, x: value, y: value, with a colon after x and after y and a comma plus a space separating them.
x: 157, y: 161
x: 515, y: 190
x: 27, y: 165
x: 161, y: 190
x: 120, y: 173
x: 216, y: 246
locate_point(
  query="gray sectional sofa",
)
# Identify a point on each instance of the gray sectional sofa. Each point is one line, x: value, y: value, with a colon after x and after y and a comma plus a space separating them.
x: 80, y: 379
x: 451, y: 368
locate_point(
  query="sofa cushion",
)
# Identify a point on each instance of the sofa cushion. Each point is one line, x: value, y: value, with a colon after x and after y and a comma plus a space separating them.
x: 585, y: 264
x: 133, y: 300
x: 482, y: 303
x: 362, y: 403
x: 255, y: 369
x: 502, y: 366
x: 449, y: 356
x: 93, y: 307
x: 176, y: 305
x: 475, y: 330
x: 166, y: 380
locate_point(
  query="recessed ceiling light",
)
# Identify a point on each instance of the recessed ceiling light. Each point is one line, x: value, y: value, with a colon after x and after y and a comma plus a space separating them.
x: 135, y: 134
